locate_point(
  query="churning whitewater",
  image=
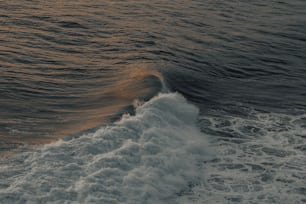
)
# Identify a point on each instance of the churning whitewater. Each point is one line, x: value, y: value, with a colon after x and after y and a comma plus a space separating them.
x: 151, y: 157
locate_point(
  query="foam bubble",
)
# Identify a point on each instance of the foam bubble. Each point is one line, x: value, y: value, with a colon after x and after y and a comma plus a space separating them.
x: 151, y: 157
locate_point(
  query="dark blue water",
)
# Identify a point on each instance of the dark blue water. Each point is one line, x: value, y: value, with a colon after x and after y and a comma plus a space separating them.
x: 227, y: 125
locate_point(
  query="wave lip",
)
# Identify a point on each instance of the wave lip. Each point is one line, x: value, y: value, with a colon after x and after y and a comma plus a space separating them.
x: 150, y: 157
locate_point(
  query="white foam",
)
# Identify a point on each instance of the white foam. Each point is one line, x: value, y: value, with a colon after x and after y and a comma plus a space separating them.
x: 260, y: 158
x: 151, y: 157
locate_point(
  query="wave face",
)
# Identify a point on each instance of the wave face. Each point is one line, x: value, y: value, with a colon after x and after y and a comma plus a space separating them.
x: 151, y: 157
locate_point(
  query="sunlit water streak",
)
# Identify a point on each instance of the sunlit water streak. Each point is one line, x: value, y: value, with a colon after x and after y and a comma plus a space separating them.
x: 70, y: 70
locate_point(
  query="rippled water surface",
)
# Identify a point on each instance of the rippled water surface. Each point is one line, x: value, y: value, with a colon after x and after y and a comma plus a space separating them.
x: 233, y: 133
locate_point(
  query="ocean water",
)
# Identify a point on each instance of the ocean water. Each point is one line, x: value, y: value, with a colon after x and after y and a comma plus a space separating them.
x: 153, y: 101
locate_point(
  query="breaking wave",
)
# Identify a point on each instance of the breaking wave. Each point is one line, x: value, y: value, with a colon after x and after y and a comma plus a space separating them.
x: 153, y: 156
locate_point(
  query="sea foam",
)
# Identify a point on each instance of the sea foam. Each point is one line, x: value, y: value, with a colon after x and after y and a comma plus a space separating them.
x: 151, y: 157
